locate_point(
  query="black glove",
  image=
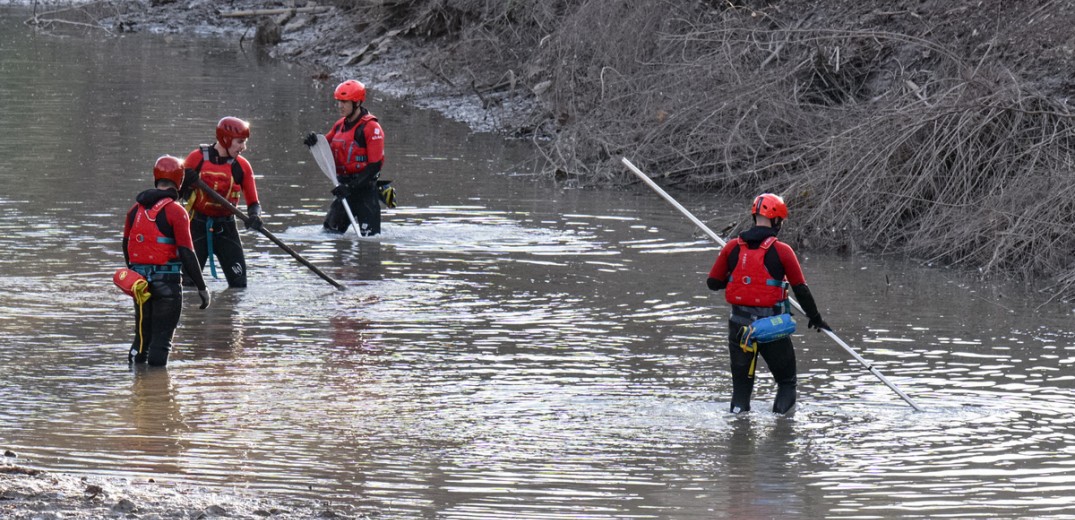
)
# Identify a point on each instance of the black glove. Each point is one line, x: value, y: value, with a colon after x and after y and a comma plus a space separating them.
x: 254, y: 216
x: 817, y: 323
x: 204, y: 295
x: 254, y: 222
x: 189, y: 178
x: 342, y: 191
x: 310, y: 139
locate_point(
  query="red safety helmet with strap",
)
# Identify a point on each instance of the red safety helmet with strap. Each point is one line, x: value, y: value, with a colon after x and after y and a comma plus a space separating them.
x: 168, y: 168
x: 351, y: 90
x: 769, y: 206
x: 229, y: 129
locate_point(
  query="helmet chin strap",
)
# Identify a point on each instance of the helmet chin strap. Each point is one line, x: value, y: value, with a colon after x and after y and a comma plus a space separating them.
x: 354, y: 109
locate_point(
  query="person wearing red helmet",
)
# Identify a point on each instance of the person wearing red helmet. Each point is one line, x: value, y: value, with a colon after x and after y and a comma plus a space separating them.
x: 157, y: 245
x: 357, y: 143
x: 755, y: 271
x: 212, y: 224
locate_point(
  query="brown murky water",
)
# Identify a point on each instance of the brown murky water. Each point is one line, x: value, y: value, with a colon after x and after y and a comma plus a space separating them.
x: 508, y: 348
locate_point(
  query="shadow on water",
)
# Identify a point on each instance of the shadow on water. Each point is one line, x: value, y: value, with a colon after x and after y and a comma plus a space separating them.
x: 509, y: 347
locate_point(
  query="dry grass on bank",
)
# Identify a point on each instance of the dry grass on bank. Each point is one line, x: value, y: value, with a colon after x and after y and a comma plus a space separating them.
x: 880, y: 141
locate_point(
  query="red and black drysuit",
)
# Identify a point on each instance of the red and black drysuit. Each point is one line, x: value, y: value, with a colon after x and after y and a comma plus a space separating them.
x: 358, y: 150
x: 157, y: 244
x: 212, y: 225
x: 755, y: 270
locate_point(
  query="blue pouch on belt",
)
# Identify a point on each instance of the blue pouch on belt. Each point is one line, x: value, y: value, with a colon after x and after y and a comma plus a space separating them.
x: 764, y: 330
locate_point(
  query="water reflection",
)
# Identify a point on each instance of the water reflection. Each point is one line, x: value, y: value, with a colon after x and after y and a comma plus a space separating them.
x: 218, y: 332
x: 508, y: 348
x: 154, y: 444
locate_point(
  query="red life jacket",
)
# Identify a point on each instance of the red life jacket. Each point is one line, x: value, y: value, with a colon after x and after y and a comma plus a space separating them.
x: 350, y: 153
x: 220, y: 177
x: 750, y: 283
x: 146, y: 244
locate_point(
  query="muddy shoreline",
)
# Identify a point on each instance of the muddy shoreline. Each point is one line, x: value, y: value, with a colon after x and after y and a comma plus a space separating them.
x: 27, y: 493
x: 389, y: 64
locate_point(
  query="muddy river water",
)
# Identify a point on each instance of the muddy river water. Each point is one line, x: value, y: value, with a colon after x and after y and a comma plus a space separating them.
x: 510, y: 347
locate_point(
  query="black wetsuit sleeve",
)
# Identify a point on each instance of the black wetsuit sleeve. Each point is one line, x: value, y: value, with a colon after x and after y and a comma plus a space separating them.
x: 715, y: 284
x: 366, y: 177
x: 191, y: 268
x: 806, y: 300
x: 130, y: 223
x: 372, y: 169
x: 190, y: 178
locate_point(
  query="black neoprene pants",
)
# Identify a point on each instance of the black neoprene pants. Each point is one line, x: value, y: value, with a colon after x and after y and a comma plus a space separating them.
x: 779, y: 356
x: 227, y: 247
x: 365, y: 203
x: 155, y: 322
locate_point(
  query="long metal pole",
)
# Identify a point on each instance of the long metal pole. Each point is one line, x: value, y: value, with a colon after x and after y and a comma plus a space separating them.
x: 869, y: 366
x: 218, y: 198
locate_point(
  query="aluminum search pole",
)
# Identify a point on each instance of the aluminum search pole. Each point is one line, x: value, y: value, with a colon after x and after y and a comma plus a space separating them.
x: 869, y: 366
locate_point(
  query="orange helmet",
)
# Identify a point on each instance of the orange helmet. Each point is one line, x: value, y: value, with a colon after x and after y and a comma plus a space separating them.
x: 168, y: 168
x: 351, y: 90
x: 231, y: 128
x: 769, y: 206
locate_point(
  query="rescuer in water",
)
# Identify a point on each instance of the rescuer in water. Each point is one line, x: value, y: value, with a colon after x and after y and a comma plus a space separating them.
x: 755, y: 271
x: 157, y: 245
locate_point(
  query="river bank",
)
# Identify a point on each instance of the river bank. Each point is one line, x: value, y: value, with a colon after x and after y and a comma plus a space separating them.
x: 589, y: 386
x: 917, y: 129
x: 929, y: 161
x: 32, y: 494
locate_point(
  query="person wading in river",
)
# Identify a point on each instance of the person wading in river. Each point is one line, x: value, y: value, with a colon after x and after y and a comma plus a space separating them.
x: 156, y: 245
x: 357, y: 143
x: 755, y: 271
x: 212, y: 224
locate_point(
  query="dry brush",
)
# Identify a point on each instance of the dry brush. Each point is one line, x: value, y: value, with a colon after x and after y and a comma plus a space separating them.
x: 881, y: 141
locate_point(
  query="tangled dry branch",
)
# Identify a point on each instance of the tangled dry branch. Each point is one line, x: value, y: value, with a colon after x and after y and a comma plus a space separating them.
x: 881, y: 141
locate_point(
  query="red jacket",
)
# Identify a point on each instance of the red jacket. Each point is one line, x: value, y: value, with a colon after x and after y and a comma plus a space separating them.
x: 154, y: 232
x: 229, y: 177
x: 756, y: 276
x: 353, y: 150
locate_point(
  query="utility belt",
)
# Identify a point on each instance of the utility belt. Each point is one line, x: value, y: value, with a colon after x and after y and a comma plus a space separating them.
x: 758, y: 325
x: 742, y: 313
x: 171, y: 272
x: 349, y: 179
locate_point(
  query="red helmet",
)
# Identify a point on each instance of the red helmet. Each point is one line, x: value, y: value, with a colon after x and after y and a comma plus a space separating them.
x: 769, y: 206
x: 351, y: 90
x: 168, y: 168
x: 231, y: 128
